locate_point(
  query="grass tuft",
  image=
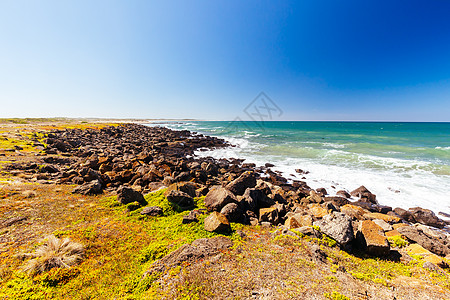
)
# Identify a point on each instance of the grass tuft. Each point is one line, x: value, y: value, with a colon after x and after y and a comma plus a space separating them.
x: 55, y: 253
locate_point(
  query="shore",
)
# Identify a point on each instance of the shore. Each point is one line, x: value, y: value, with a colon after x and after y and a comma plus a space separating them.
x: 84, y: 180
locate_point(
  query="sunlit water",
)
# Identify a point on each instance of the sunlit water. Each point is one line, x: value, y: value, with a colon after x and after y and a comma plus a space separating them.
x: 404, y: 164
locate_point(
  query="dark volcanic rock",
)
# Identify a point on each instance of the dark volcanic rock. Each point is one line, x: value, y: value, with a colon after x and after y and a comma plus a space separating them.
x: 218, y: 197
x: 92, y: 188
x: 181, y: 199
x: 127, y: 195
x: 232, y: 212
x: 404, y: 214
x: 240, y: 184
x: 364, y: 195
x: 427, y: 217
x: 256, y: 198
x: 152, y: 211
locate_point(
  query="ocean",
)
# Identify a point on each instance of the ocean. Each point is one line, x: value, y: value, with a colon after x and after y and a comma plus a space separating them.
x: 404, y: 164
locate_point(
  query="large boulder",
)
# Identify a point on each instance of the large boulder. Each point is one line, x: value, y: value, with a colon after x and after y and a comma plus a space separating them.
x: 218, y: 197
x: 127, y: 195
x: 338, y: 226
x: 240, y: 184
x: 372, y: 238
x: 183, y: 200
x: 232, y: 212
x: 364, y: 195
x: 427, y: 217
x: 92, y: 188
x: 418, y: 236
x: 387, y: 218
x: 354, y: 211
x: 217, y: 222
x: 269, y: 214
x: 298, y: 220
x: 404, y: 214
x: 186, y: 187
x: 255, y: 198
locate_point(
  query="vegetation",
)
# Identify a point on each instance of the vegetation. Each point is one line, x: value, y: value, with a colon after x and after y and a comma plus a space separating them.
x: 55, y: 253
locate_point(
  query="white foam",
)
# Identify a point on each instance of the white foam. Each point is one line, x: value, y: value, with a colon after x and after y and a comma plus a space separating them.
x: 413, y: 187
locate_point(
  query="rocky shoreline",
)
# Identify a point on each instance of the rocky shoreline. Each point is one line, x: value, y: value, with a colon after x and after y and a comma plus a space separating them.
x: 133, y: 160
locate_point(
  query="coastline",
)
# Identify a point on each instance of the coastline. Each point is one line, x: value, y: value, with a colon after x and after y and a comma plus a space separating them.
x: 116, y: 158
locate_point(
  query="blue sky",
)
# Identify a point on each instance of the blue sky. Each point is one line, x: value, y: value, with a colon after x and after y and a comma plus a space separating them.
x: 317, y: 60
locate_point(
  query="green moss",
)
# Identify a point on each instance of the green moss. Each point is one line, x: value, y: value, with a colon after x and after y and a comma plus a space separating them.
x: 397, y: 241
x: 335, y: 296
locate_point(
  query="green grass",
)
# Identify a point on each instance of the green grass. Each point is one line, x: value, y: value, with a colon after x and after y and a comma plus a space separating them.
x: 120, y: 247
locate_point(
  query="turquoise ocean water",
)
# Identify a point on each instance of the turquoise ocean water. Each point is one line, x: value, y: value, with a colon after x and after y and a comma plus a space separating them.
x: 404, y: 164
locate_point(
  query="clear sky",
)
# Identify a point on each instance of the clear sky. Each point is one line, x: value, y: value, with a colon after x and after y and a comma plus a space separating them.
x: 317, y: 60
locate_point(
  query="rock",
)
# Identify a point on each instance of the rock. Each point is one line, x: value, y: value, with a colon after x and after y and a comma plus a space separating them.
x: 232, y: 212
x: 298, y: 220
x: 337, y: 201
x: 321, y: 191
x: 343, y: 193
x: 364, y: 195
x: 240, y: 184
x: 217, y: 222
x: 183, y: 200
x: 338, y: 226
x: 308, y: 230
x: 315, y: 198
x: 127, y: 195
x: 256, y: 198
x: 427, y: 217
x: 269, y: 214
x: 92, y: 188
x: 386, y: 218
x: 354, y: 211
x: 218, y: 197
x: 404, y: 214
x: 186, y: 187
x: 317, y: 211
x: 199, y: 249
x: 372, y: 238
x: 191, y: 217
x: 383, y: 224
x: 393, y: 232
x: 417, y: 236
x: 152, y: 211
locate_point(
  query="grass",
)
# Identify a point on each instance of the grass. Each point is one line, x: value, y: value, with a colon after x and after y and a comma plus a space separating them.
x: 120, y: 246
x: 55, y: 253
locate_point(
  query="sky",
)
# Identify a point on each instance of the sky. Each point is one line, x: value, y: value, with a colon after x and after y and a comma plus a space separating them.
x: 316, y: 60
